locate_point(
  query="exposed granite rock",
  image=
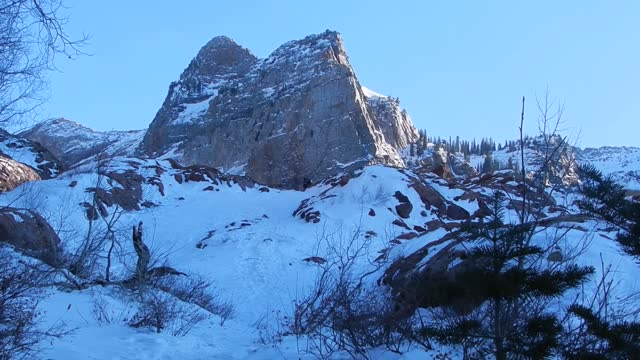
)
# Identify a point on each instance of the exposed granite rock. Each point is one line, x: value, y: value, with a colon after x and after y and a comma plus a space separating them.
x: 294, y: 118
x: 429, y: 196
x: 405, y: 207
x: 218, y: 63
x: 407, y: 236
x: 456, y: 212
x: 404, y: 210
x: 402, y: 198
x: 437, y: 163
x: 125, y: 179
x: 13, y: 173
x: 315, y: 259
x: 29, y: 231
x: 396, y: 125
x: 460, y: 167
x: 550, y: 160
x: 127, y: 195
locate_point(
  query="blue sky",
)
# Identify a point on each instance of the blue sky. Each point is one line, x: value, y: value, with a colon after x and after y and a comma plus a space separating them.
x: 458, y: 67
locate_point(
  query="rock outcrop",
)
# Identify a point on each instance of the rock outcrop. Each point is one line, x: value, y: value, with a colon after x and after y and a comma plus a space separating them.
x: 29, y: 231
x: 13, y: 173
x: 551, y: 160
x: 396, y: 125
x: 294, y: 118
x: 446, y: 164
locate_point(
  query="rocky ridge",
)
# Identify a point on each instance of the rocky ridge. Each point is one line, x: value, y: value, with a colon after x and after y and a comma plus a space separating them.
x: 623, y: 163
x: 74, y: 144
x: 22, y: 160
x: 30, y: 154
x: 620, y: 162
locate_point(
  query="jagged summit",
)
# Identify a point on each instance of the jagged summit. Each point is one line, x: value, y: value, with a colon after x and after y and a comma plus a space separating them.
x: 327, y: 45
x: 220, y: 56
x: 296, y: 117
x: 221, y: 41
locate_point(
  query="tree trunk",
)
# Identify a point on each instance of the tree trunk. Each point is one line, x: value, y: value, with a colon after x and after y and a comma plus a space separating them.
x: 143, y: 254
x: 498, y: 331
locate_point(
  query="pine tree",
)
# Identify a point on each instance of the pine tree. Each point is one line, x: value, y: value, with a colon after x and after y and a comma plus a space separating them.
x: 606, y: 339
x: 605, y: 199
x: 512, y: 320
x: 488, y: 165
x: 419, y: 143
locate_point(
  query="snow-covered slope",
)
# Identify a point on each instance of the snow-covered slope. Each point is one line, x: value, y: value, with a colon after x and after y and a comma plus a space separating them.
x: 247, y: 240
x: 252, y: 241
x: 30, y: 154
x: 621, y: 162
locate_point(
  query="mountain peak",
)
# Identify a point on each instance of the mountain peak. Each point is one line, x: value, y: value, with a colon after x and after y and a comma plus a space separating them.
x: 316, y: 48
x: 333, y: 37
x: 294, y: 118
x: 221, y: 40
x: 221, y: 55
x: 221, y: 44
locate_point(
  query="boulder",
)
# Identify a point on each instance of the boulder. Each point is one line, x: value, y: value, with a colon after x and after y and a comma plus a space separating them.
x: 402, y: 198
x: 456, y: 212
x: 404, y: 210
x: 29, y: 231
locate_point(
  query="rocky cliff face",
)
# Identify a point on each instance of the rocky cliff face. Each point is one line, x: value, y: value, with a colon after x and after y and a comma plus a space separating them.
x: 73, y: 143
x: 395, y: 123
x: 296, y: 117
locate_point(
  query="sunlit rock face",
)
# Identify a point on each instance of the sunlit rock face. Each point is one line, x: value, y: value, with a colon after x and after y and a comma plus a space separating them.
x: 294, y: 118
